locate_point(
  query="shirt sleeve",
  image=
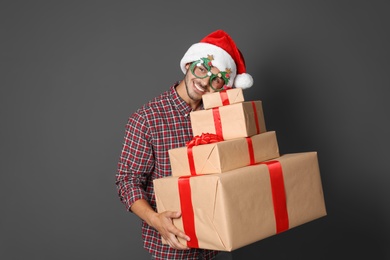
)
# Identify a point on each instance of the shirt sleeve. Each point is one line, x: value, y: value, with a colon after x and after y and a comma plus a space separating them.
x: 136, y: 161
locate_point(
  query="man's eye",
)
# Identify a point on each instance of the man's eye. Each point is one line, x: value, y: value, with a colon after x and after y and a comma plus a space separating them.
x: 218, y: 80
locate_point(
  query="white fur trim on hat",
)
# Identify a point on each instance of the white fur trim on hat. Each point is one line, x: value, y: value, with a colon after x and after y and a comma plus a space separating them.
x: 243, y: 81
x: 222, y: 59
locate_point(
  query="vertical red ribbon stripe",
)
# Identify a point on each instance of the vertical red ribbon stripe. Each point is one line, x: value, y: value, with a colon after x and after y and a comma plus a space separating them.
x: 256, y: 117
x: 187, y: 211
x: 278, y: 195
x: 224, y: 97
x: 252, y: 160
x: 191, y: 161
x: 217, y: 122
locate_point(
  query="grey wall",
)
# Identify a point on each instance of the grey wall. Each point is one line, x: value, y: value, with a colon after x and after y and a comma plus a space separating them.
x: 73, y: 71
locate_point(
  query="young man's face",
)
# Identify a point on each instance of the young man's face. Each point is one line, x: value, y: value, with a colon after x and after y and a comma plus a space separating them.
x: 197, y: 86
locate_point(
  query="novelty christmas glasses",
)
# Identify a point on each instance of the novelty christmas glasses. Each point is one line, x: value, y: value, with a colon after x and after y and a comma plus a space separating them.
x: 202, y: 69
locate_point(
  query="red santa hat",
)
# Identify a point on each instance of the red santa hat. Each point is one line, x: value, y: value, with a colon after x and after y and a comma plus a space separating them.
x: 226, y: 56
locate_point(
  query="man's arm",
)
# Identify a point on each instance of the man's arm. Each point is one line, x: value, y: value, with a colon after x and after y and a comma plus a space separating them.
x: 131, y: 186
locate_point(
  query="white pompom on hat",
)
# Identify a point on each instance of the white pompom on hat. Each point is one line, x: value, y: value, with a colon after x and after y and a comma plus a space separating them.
x: 226, y: 56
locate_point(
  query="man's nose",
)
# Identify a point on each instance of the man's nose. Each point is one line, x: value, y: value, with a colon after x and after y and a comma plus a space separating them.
x: 206, y: 81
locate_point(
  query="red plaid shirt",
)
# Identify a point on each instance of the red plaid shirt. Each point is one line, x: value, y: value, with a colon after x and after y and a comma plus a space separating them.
x: 161, y: 124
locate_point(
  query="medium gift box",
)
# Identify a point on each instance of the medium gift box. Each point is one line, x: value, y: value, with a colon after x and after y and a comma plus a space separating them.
x: 233, y: 121
x: 219, y: 157
x: 223, y: 98
x: 233, y: 209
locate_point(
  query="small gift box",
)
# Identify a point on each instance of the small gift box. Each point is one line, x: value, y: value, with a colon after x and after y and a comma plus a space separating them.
x: 206, y: 154
x: 223, y: 98
x: 233, y: 121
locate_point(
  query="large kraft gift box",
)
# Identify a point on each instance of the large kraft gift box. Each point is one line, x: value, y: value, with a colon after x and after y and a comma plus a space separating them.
x: 233, y: 209
x: 232, y: 121
x: 222, y: 98
x: 223, y: 156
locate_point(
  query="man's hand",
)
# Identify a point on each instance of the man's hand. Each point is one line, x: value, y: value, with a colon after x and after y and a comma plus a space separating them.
x: 163, y: 222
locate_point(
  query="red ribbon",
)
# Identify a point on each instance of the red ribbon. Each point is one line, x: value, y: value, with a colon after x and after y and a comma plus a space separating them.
x: 191, y: 161
x: 204, y: 138
x: 256, y: 118
x: 217, y: 122
x: 224, y: 97
x: 278, y: 195
x: 187, y: 211
x: 252, y: 160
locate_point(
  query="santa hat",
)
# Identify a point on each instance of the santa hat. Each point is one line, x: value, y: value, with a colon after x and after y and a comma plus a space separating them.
x: 225, y: 54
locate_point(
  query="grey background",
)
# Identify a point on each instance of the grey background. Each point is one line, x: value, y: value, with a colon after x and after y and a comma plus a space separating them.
x: 73, y: 71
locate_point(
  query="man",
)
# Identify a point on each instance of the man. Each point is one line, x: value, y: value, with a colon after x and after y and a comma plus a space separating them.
x: 213, y: 64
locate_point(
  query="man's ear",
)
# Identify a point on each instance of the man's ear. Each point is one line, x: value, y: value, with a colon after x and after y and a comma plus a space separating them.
x: 187, y: 66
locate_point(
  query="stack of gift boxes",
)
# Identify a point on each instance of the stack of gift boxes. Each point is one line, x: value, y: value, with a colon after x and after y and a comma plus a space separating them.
x: 230, y: 182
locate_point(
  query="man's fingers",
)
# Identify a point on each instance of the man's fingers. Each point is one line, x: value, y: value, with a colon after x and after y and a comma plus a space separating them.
x: 182, y: 235
x: 173, y: 214
x: 175, y: 243
x: 173, y: 233
x: 172, y: 229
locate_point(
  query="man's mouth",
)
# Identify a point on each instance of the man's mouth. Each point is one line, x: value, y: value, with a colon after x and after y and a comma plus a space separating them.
x: 199, y: 87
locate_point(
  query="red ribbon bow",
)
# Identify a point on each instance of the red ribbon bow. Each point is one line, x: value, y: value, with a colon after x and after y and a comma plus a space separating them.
x: 204, y: 138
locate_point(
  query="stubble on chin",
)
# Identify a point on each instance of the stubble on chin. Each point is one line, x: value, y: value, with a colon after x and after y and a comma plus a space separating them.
x: 193, y: 96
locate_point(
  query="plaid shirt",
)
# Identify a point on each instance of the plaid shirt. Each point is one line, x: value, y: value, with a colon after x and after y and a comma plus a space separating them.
x: 161, y: 124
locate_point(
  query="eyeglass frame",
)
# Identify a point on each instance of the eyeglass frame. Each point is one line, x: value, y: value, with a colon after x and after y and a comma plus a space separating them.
x: 207, y: 64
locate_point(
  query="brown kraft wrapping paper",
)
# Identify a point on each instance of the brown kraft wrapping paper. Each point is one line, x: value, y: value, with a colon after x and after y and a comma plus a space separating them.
x: 237, y: 120
x: 235, y: 208
x: 225, y: 155
x: 222, y: 98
